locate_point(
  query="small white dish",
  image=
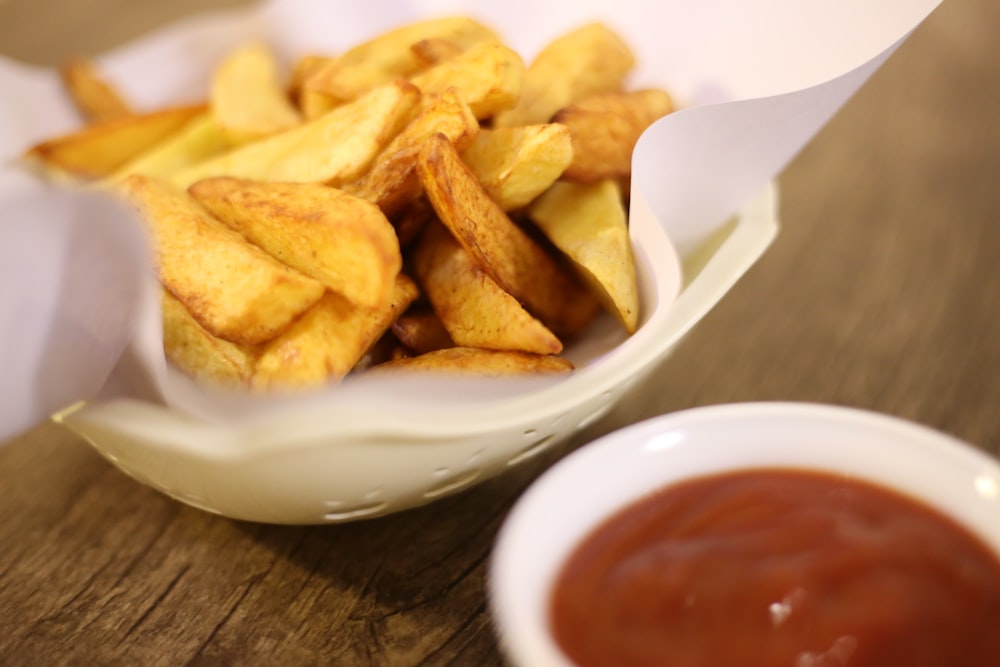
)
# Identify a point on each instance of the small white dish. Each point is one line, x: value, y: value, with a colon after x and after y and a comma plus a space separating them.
x: 575, y: 495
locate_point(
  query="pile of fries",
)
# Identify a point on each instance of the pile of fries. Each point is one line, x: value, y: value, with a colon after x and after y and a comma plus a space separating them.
x: 422, y: 200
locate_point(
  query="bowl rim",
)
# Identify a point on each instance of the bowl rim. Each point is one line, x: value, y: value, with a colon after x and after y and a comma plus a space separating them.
x: 520, y: 570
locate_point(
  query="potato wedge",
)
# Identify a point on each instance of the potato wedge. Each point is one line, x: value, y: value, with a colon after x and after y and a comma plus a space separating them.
x: 488, y: 76
x: 95, y: 98
x: 474, y: 310
x: 342, y: 241
x: 246, y: 97
x: 421, y: 332
x: 506, y: 253
x: 434, y: 50
x: 605, y: 129
x: 194, y: 350
x: 392, y: 182
x: 589, y: 224
x: 336, y: 147
x: 586, y: 61
x: 389, y: 55
x: 312, y: 103
x: 325, y: 343
x: 478, y: 362
x: 234, y: 289
x: 197, y: 141
x: 99, y: 149
x: 516, y: 164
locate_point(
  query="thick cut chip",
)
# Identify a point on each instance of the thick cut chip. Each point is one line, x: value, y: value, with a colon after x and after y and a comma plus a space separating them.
x: 95, y: 98
x: 390, y: 55
x: 489, y: 77
x: 325, y: 343
x: 312, y: 103
x: 421, y: 332
x: 587, y: 61
x: 343, y: 241
x: 475, y: 311
x: 605, y: 129
x: 196, y: 142
x: 434, y: 50
x: 516, y: 164
x: 336, y: 147
x: 234, y: 289
x: 588, y: 223
x: 508, y: 255
x: 479, y: 362
x: 99, y: 149
x: 392, y: 182
x: 247, y: 98
x: 194, y: 350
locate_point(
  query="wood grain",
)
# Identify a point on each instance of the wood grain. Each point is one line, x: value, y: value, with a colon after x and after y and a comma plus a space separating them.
x: 882, y: 291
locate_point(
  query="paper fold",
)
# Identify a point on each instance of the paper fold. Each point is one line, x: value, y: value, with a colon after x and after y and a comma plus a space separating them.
x: 758, y: 80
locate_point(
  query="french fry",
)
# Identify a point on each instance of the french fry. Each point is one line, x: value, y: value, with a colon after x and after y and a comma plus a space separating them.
x: 324, y: 344
x: 605, y: 129
x: 586, y: 61
x: 421, y: 332
x: 304, y: 68
x: 197, y: 141
x: 336, y: 147
x: 516, y: 164
x: 474, y: 310
x: 489, y: 77
x: 342, y: 241
x: 506, y: 253
x: 312, y: 102
x: 234, y: 289
x: 194, y: 350
x: 389, y: 56
x: 391, y: 182
x: 95, y: 98
x: 434, y: 50
x: 475, y: 361
x: 100, y: 148
x: 247, y: 99
x: 588, y: 223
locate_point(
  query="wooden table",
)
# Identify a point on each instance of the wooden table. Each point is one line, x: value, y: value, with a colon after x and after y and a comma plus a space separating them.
x: 882, y: 291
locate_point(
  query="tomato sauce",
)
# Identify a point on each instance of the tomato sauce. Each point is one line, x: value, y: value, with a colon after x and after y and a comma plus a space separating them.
x: 780, y: 568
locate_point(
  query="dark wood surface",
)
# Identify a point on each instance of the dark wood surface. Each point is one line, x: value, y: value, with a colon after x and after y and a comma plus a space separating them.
x: 882, y: 292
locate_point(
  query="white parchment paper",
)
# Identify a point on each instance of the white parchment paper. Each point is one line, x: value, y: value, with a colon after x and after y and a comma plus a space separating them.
x: 78, y: 311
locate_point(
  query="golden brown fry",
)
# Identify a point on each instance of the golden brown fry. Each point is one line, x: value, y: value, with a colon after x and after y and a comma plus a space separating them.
x: 325, y: 343
x: 605, y: 129
x: 234, y: 289
x: 588, y: 223
x: 343, y: 241
x: 95, y: 98
x: 391, y: 182
x: 197, y: 141
x: 304, y: 68
x: 99, y: 149
x: 516, y: 164
x: 474, y: 361
x: 194, y: 350
x: 474, y: 310
x: 488, y: 76
x: 434, y: 50
x: 334, y: 148
x: 421, y: 332
x: 587, y: 61
x: 247, y: 100
x: 389, y: 56
x: 505, y: 252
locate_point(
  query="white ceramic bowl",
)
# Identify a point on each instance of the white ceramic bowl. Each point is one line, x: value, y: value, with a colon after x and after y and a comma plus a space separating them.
x: 572, y: 497
x: 328, y: 461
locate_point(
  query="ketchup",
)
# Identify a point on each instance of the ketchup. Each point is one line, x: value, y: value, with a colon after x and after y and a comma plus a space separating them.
x: 782, y: 568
